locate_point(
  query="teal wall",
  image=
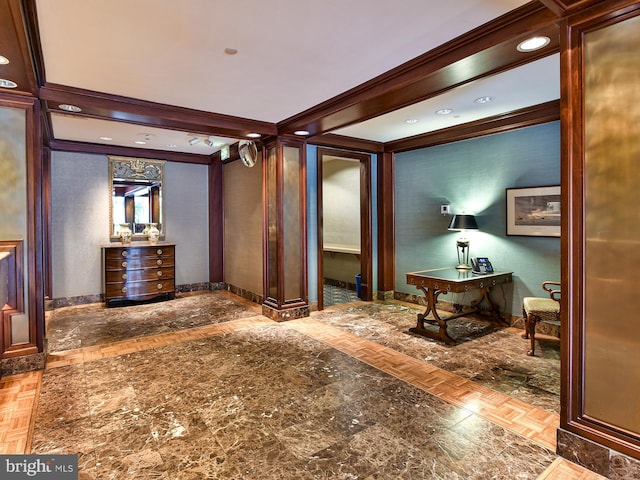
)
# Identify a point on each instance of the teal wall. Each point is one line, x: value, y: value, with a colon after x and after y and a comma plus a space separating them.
x: 472, y: 176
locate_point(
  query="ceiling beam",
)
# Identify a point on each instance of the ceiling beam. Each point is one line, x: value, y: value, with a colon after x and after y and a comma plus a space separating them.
x: 99, y: 149
x: 485, y: 51
x: 16, y: 47
x: 141, y: 112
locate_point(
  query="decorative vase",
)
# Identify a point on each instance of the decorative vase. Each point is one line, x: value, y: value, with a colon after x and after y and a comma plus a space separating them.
x: 125, y: 233
x: 153, y: 233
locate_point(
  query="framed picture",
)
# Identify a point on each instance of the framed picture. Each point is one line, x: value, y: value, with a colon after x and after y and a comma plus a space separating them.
x: 533, y: 211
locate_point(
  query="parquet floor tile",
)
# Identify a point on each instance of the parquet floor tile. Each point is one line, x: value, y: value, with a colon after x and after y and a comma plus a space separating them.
x: 18, y: 400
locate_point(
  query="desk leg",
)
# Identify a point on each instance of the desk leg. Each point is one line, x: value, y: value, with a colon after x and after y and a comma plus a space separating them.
x: 495, y: 309
x: 431, y: 296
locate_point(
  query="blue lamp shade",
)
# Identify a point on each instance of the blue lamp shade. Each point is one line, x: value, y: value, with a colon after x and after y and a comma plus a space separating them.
x: 463, y: 222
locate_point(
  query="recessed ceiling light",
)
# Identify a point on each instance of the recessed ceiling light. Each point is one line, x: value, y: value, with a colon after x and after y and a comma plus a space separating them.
x: 483, y: 100
x: 230, y: 51
x: 301, y: 132
x: 140, y: 142
x: 253, y: 135
x: 69, y: 108
x: 444, y: 111
x: 533, y: 43
x: 106, y: 138
x: 7, y: 83
x: 411, y: 120
x: 3, y: 60
x: 171, y: 145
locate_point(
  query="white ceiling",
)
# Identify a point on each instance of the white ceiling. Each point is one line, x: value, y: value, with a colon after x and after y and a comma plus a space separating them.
x: 292, y: 55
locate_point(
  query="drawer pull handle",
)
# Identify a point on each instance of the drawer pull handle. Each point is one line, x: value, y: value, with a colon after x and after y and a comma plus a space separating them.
x: 124, y: 276
x: 159, y: 273
x: 159, y: 251
x: 159, y: 286
x: 124, y: 289
x: 125, y: 253
x: 124, y: 264
x: 159, y: 262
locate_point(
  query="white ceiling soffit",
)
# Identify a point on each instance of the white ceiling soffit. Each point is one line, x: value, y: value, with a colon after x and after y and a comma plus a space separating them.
x: 82, y: 129
x: 531, y: 84
x: 292, y: 54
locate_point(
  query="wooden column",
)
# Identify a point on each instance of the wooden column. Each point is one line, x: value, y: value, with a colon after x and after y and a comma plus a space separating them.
x: 216, y: 222
x: 285, y: 237
x: 386, y: 234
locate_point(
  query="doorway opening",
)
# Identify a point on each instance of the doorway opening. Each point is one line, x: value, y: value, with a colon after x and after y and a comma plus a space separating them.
x: 344, y: 227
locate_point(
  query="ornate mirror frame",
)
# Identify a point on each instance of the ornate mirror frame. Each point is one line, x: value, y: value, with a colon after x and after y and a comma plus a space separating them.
x: 133, y: 177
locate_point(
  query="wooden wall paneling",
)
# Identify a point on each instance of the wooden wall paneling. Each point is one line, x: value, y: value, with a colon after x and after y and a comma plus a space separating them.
x: 573, y: 418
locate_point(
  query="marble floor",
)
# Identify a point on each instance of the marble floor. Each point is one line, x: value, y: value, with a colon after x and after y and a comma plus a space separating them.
x: 204, y: 387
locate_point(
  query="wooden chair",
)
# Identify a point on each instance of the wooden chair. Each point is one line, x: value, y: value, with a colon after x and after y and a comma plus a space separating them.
x: 535, y: 309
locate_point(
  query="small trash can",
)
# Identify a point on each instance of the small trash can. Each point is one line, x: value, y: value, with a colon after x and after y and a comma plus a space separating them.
x: 358, y: 284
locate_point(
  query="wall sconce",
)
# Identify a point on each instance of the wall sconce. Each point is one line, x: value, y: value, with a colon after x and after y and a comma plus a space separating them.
x: 463, y: 223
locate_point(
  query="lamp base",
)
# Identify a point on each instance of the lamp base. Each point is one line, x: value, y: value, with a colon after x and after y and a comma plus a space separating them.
x: 462, y: 266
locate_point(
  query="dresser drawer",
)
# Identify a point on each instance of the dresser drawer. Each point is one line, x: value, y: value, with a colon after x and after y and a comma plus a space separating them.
x: 123, y: 276
x: 136, y: 263
x: 137, y: 252
x: 130, y: 290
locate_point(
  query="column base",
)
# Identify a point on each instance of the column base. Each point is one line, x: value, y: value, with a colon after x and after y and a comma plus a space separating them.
x: 285, y: 314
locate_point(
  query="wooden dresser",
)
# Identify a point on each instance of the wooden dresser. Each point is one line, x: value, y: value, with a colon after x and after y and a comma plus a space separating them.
x: 139, y: 271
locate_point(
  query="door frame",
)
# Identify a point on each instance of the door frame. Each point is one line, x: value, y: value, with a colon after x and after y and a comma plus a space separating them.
x: 366, y: 269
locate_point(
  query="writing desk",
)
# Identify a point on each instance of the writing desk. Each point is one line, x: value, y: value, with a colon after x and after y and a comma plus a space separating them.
x: 439, y: 281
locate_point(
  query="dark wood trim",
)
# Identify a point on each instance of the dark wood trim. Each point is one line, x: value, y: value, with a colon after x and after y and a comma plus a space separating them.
x: 32, y: 32
x: 98, y: 149
x: 216, y: 223
x: 46, y: 225
x: 525, y: 117
x: 35, y: 229
x: 366, y: 240
x: 484, y: 51
x: 140, y: 112
x: 320, y: 228
x: 572, y: 415
x: 331, y: 140
x: 366, y: 249
x: 562, y: 8
x: 386, y: 222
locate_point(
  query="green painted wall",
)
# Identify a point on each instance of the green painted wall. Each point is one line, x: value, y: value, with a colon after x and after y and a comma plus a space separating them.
x: 472, y: 177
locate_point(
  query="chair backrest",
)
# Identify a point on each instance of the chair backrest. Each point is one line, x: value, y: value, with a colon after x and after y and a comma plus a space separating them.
x: 553, y: 288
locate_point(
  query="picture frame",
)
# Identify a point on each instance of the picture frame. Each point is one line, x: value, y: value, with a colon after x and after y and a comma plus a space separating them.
x: 533, y: 211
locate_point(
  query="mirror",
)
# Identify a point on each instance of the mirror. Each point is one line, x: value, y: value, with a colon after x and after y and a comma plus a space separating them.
x: 135, y: 195
x: 248, y: 152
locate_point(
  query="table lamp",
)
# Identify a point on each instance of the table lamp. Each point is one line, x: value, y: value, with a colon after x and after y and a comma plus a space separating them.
x: 463, y: 222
